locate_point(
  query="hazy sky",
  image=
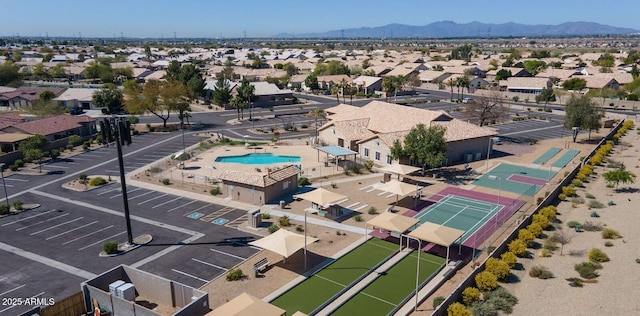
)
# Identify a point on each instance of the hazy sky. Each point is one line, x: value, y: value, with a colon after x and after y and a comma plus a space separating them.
x: 259, y: 18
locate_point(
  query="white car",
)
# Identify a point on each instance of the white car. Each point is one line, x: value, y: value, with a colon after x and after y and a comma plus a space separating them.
x: 467, y: 100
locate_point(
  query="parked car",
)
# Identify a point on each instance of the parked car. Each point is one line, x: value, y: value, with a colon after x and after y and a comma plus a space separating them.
x: 467, y: 100
x: 75, y: 110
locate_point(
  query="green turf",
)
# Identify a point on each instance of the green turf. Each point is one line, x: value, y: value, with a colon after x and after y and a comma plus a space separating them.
x: 316, y: 290
x: 503, y: 171
x: 387, y: 291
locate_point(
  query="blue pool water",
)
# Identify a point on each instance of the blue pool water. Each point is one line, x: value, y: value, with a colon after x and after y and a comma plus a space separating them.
x: 259, y: 159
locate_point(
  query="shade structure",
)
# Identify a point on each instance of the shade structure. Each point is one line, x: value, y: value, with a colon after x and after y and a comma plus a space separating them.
x: 283, y: 242
x: 398, y: 188
x: 247, y: 305
x: 437, y: 234
x: 393, y: 222
x: 322, y: 197
x: 399, y: 169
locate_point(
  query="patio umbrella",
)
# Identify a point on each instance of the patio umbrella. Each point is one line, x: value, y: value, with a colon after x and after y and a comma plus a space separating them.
x: 322, y: 197
x: 247, y: 305
x: 283, y: 242
x: 398, y: 188
x: 399, y: 169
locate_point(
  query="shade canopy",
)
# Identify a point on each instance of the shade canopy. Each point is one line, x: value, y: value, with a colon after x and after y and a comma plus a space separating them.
x: 437, y: 234
x: 247, y: 305
x: 399, y: 169
x: 283, y: 242
x: 397, y: 187
x: 393, y: 222
x: 322, y: 197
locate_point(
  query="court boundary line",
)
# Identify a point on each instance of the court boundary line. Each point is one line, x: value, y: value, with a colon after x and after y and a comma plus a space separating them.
x: 331, y: 281
x: 475, y: 231
x: 377, y: 298
x: 529, y: 183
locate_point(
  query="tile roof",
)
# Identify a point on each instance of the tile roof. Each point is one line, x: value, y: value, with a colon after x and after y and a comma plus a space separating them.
x: 52, y: 125
x: 258, y: 179
x: 527, y: 83
x: 30, y: 93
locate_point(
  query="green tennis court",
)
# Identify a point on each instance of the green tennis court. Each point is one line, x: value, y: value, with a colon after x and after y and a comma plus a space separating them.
x: 320, y: 287
x: 502, y: 172
x: 390, y: 289
x: 460, y: 213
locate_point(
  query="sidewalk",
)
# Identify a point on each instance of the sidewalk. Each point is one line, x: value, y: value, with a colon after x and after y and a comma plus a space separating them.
x: 271, y: 209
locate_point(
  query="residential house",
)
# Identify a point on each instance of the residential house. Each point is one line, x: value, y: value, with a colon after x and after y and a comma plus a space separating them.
x: 515, y: 72
x: 326, y: 82
x: 602, y: 82
x: 531, y: 85
x: 260, y: 187
x: 81, y: 97
x: 25, y: 97
x: 368, y: 84
x: 54, y: 127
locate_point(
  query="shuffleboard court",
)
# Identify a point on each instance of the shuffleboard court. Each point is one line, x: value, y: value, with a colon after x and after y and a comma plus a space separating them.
x: 527, y: 180
x: 389, y: 290
x: 322, y: 286
x: 498, y: 179
x: 564, y: 159
x: 547, y: 155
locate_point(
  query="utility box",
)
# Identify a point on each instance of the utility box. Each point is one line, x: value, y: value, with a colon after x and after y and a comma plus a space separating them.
x: 113, y: 286
x: 127, y: 291
x: 255, y: 218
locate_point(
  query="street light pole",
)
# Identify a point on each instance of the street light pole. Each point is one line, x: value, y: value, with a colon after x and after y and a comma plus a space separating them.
x: 6, y: 196
x: 305, y: 241
x: 492, y: 177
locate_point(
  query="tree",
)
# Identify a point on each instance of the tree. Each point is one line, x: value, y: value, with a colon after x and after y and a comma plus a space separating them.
x: 583, y: 113
x: 426, y: 146
x: 10, y: 74
x: 34, y: 142
x: 147, y: 99
x: 110, y: 98
x: 574, y: 84
x: 546, y: 95
x: 34, y: 154
x: 46, y: 95
x: 451, y: 83
x: 99, y: 70
x: 619, y: 176
x: 246, y: 93
x: 503, y: 74
x: 222, y: 92
x: 311, y: 82
x: 237, y: 103
x: 290, y: 69
x: 534, y: 66
x: 189, y: 76
x: 488, y: 108
x: 147, y: 52
x: 40, y: 71
x: 45, y: 106
x: 317, y: 114
x: 391, y: 84
x: 175, y: 97
x: 463, y: 52
x: 562, y: 237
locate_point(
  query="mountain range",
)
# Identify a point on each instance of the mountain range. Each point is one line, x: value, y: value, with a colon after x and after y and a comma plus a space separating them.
x: 449, y: 29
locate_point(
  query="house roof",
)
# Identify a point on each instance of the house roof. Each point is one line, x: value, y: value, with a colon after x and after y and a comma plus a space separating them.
x: 82, y: 94
x: 366, y: 80
x: 265, y: 88
x: 527, y: 83
x: 334, y: 78
x: 258, y: 179
x: 29, y: 93
x: 52, y: 125
x: 598, y: 82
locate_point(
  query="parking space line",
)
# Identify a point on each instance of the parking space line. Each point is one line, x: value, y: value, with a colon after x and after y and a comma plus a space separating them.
x: 177, y: 207
x: 361, y: 207
x: 73, y: 163
x: 13, y: 289
x: 87, y: 235
x: 71, y: 230
x: 145, y: 159
x: 193, y: 211
x: 99, y: 241
x: 143, y: 194
x: 52, y: 166
x: 189, y: 275
x: 12, y: 306
x: 119, y: 194
x: 105, y: 192
x: 131, y: 167
x: 246, y: 245
x: 55, y: 226
x: 161, y: 204
x: 15, y: 179
x: 8, y: 185
x: 152, y: 156
x: 228, y: 254
x: 155, y: 198
x: 88, y: 155
x: 40, y: 222
x: 210, y: 264
x: 112, y: 171
x: 76, y: 158
x: 26, y: 218
x: 138, y: 163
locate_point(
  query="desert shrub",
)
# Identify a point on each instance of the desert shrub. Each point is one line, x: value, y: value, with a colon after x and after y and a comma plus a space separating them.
x: 273, y: 228
x: 19, y: 163
x: 13, y: 167
x: 577, y: 200
x: 540, y: 272
x: 235, y: 275
x: 535, y: 229
x: 486, y: 281
x: 155, y: 169
x: 541, y: 220
x: 562, y: 197
x: 517, y: 247
x: 608, y: 244
x: 591, y: 226
x: 550, y: 212
x: 586, y: 270
x: 526, y: 236
x: 595, y: 204
x: 437, y: 301
x: 215, y: 190
x: 265, y: 216
x: 357, y: 218
x: 598, y: 255
x: 110, y: 247
x: 545, y: 253
x: 509, y: 258
x: 373, y: 210
x: 576, y: 182
x: 356, y: 169
x: 569, y: 191
x: 589, y: 196
x: 299, y: 229
x: 97, y: 181
x: 609, y: 233
x: 498, y: 267
x: 369, y: 165
x: 284, y: 221
x: 4, y: 209
x: 575, y: 282
x: 470, y: 295
x: 166, y: 181
x: 17, y: 205
x: 302, y: 181
x: 573, y: 224
x: 580, y: 176
x: 550, y: 243
x: 457, y: 309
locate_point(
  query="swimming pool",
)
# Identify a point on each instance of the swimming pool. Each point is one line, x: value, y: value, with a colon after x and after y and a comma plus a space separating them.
x: 259, y: 159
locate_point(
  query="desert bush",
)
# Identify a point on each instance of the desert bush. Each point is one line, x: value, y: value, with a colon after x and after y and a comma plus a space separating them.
x: 265, y: 216
x: 550, y: 243
x: 595, y: 204
x: 470, y: 295
x: 19, y: 163
x: 573, y: 224
x: 609, y: 233
x: 580, y: 176
x: 235, y: 275
x: 457, y: 309
x: 486, y: 281
x: 437, y: 301
x: 284, y: 221
x: 97, y: 181
x: 535, y: 229
x: 550, y: 212
x: 526, y: 236
x: 562, y: 197
x: 372, y: 210
x: 273, y: 228
x: 215, y: 190
x: 509, y: 258
x: 517, y: 247
x: 569, y: 191
x: 608, y: 244
x: 498, y: 267
x: 357, y: 218
x: 576, y: 182
x: 586, y: 270
x: 501, y: 300
x: 591, y: 226
x: 166, y: 181
x: 577, y: 200
x: 541, y: 220
x: 589, y: 196
x: 4, y: 209
x: 17, y: 205
x: 540, y: 272
x: 598, y: 255
x: 302, y: 181
x: 545, y: 253
x: 110, y: 247
x: 369, y: 165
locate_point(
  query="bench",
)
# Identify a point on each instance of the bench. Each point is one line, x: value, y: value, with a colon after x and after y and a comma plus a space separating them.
x: 260, y: 266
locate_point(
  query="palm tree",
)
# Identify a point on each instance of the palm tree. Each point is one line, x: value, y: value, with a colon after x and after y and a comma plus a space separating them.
x: 336, y: 89
x: 343, y: 85
x: 451, y: 83
x: 316, y: 114
x: 238, y: 104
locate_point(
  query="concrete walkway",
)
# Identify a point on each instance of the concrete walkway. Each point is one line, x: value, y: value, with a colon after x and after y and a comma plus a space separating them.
x: 319, y: 182
x: 271, y: 209
x: 351, y: 292
x: 428, y: 289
